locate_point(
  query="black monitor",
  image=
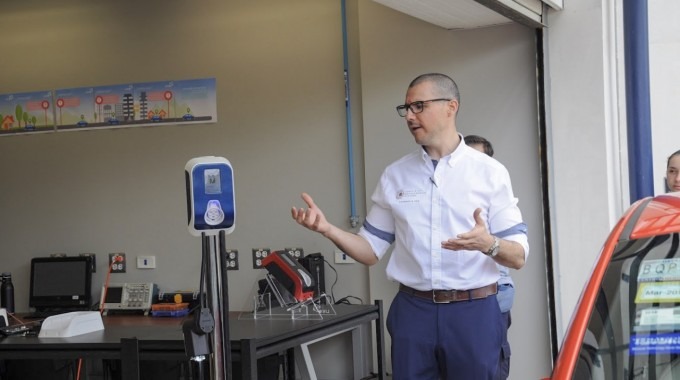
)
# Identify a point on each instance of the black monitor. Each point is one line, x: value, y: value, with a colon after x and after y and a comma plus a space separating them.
x: 61, y: 283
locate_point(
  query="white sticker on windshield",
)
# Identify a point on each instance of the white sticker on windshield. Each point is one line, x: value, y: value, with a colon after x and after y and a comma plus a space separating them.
x: 659, y: 270
x: 666, y: 316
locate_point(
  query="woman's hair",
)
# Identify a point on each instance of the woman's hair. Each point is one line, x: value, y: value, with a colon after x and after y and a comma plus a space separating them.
x: 677, y: 153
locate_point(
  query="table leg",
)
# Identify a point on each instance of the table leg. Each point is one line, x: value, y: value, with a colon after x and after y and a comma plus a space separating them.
x: 358, y: 351
x: 129, y: 358
x: 289, y: 364
x: 380, y: 340
x: 248, y: 360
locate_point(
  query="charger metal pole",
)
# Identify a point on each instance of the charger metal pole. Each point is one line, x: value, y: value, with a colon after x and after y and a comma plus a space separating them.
x: 219, y: 305
x: 216, y: 295
x: 224, y: 307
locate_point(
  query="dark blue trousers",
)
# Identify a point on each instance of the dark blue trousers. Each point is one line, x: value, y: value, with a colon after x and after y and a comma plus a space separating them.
x: 458, y: 340
x: 505, y: 347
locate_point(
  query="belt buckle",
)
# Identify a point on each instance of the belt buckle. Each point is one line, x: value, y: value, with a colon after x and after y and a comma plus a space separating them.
x: 434, y: 297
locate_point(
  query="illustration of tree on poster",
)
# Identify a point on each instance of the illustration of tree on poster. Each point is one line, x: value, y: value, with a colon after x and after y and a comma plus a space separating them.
x: 28, y: 112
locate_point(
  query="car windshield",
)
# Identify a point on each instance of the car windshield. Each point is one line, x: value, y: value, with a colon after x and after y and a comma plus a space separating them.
x: 634, y: 328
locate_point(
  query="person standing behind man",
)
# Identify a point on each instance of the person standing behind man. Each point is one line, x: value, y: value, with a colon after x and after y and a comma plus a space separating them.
x: 506, y: 288
x: 673, y: 172
x: 440, y: 207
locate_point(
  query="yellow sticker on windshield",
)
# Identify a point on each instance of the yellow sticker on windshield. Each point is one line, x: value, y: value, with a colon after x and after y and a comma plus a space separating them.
x: 650, y: 292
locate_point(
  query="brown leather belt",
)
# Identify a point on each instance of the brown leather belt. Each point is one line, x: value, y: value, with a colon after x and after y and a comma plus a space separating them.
x: 447, y: 296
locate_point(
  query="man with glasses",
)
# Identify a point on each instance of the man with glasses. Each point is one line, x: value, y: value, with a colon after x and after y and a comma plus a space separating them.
x: 442, y: 208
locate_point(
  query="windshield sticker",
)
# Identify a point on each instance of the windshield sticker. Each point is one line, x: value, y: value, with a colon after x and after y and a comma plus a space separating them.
x: 659, y: 270
x: 658, y: 316
x: 654, y: 344
x: 650, y: 292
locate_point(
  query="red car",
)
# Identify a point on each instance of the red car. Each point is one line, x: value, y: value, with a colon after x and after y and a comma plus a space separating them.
x: 627, y: 322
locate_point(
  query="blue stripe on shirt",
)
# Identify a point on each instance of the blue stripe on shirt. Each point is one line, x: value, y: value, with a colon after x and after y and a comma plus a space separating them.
x: 520, y: 228
x: 386, y: 236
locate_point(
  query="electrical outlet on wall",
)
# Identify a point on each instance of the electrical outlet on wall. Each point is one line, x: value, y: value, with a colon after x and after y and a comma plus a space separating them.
x: 295, y: 253
x: 258, y: 255
x: 231, y: 259
x: 118, y: 262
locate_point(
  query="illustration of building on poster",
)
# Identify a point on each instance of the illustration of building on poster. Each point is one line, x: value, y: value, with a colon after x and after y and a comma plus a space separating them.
x: 28, y: 112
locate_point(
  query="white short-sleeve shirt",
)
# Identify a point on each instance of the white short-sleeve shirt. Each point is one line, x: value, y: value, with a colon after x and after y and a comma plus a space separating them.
x: 417, y: 205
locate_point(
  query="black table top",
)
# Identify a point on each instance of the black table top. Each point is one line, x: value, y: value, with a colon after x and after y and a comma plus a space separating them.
x: 165, y: 334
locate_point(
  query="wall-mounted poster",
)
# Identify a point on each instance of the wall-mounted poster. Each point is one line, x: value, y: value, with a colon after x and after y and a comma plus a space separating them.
x: 185, y: 101
x: 28, y: 112
x: 126, y: 105
x: 132, y: 105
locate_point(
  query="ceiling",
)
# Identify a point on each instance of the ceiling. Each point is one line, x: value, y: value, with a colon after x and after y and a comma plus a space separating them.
x: 448, y: 14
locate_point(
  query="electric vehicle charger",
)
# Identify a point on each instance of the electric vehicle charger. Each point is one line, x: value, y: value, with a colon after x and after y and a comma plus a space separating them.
x: 211, y: 213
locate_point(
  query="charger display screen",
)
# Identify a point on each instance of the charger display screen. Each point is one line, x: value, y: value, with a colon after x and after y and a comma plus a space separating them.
x: 212, y: 182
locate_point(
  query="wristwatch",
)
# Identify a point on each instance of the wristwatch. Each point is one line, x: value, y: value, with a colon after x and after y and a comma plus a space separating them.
x: 493, y: 251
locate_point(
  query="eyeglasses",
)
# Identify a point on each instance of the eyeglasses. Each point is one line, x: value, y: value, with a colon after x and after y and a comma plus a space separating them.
x: 417, y: 107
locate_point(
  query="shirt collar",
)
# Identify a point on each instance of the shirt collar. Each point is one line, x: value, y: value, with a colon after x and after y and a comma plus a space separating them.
x: 451, y: 158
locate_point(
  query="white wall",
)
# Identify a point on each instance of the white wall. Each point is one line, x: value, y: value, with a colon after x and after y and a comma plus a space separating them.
x: 586, y: 141
x: 664, y: 67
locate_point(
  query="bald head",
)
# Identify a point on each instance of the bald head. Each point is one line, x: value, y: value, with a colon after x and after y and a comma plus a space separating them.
x: 442, y: 85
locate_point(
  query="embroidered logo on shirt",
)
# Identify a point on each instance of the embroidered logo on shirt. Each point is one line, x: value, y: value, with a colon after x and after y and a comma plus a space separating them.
x: 407, y: 196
